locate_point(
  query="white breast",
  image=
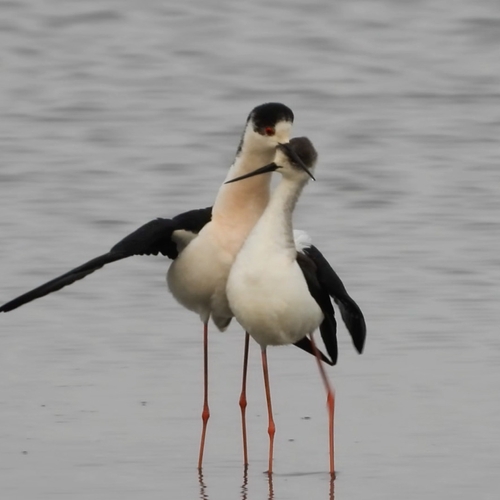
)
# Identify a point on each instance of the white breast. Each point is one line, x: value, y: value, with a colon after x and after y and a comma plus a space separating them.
x: 270, y: 299
x: 197, y: 278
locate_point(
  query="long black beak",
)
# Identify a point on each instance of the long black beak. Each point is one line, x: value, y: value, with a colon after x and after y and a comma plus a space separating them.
x: 289, y: 151
x: 263, y: 170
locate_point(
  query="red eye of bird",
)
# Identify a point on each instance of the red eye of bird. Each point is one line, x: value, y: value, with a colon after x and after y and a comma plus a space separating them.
x: 269, y: 131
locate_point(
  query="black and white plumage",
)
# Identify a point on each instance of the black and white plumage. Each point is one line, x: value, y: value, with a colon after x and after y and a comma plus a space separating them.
x: 324, y: 284
x: 274, y: 232
x: 325, y: 280
x: 280, y: 295
x: 202, y: 243
x: 156, y: 237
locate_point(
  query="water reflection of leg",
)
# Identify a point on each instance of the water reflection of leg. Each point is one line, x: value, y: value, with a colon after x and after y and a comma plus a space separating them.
x: 331, y: 496
x: 244, y: 486
x: 271, y: 487
x: 203, y: 487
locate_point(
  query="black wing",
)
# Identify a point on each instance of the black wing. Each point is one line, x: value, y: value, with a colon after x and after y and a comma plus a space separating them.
x: 328, y: 327
x: 151, y: 239
x: 305, y: 345
x: 332, y: 284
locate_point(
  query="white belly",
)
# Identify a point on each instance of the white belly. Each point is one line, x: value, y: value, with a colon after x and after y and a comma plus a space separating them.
x: 270, y: 299
x: 197, y: 279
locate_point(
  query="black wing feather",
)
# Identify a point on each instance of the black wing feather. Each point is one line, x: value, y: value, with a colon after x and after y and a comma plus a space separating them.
x: 193, y: 220
x: 350, y: 311
x: 150, y: 239
x: 305, y: 345
x: 328, y: 327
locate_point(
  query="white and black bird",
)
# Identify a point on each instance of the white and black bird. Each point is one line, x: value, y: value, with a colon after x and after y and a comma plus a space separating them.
x: 203, y: 243
x: 280, y: 295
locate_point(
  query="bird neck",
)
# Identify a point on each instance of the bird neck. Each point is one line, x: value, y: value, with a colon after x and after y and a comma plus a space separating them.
x: 275, y: 226
x: 242, y: 203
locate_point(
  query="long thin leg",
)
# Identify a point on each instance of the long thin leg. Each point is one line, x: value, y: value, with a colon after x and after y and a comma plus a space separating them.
x: 205, y: 414
x: 271, y: 429
x: 330, y: 403
x: 243, y: 400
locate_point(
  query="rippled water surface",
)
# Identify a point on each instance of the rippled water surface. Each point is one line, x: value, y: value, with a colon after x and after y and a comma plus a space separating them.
x: 116, y: 112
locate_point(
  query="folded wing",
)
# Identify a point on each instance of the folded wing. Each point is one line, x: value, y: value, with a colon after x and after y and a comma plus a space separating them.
x: 330, y: 282
x: 328, y: 327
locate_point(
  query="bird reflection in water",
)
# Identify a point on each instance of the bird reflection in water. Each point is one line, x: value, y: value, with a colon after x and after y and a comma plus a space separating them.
x: 244, y: 486
x: 332, y: 488
x: 271, y: 486
x: 203, y: 487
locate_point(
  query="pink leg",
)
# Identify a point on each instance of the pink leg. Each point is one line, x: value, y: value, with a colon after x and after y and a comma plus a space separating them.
x: 243, y: 400
x: 271, y: 430
x: 205, y: 414
x: 330, y: 403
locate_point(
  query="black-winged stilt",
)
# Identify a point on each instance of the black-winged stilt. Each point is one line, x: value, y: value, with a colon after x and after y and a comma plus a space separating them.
x: 203, y: 243
x: 280, y: 295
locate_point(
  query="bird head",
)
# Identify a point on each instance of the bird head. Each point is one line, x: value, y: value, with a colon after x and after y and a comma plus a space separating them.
x: 295, y: 159
x: 267, y: 126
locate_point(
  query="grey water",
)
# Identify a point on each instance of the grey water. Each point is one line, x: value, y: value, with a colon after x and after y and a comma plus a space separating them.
x: 117, y: 112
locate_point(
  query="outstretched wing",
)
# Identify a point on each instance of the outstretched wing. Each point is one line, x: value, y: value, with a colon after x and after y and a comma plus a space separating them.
x: 151, y: 239
x: 332, y: 284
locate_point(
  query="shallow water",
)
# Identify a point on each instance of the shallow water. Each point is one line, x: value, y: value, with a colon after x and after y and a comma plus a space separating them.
x: 113, y: 113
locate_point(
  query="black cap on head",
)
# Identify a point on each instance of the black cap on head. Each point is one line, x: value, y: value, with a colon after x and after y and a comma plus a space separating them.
x: 269, y: 114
